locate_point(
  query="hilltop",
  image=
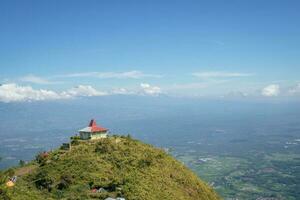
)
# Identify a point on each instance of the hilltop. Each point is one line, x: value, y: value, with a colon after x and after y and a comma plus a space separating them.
x: 111, y: 167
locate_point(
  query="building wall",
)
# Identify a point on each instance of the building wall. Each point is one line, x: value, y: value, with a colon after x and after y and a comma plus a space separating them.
x: 88, y: 136
x: 85, y: 135
x: 98, y: 136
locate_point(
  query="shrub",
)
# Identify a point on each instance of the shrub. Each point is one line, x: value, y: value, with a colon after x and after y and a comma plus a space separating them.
x: 145, y: 162
x: 43, y: 181
x: 3, y: 195
x: 65, y: 182
x: 76, y: 137
x: 114, y: 185
x: 3, y: 178
x: 129, y: 137
x: 41, y: 158
x: 21, y: 163
x: 105, y: 146
x: 10, y: 172
x: 5, y: 175
x: 75, y: 140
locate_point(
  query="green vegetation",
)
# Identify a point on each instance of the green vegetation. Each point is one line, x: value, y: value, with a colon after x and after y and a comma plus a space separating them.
x: 21, y: 163
x: 112, y: 167
x: 273, y: 175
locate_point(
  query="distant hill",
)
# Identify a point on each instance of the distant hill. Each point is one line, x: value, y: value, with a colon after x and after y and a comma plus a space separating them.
x: 112, y: 167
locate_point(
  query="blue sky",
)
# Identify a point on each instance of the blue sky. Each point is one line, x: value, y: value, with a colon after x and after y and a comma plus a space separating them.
x: 180, y: 48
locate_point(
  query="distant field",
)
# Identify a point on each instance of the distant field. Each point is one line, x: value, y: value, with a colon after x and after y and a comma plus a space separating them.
x: 261, y: 175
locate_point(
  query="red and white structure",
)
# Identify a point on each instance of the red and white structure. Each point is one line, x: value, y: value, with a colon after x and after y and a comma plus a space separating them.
x: 93, y: 131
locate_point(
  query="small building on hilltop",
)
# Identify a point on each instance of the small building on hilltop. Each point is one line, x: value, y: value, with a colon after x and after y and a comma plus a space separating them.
x: 93, y: 131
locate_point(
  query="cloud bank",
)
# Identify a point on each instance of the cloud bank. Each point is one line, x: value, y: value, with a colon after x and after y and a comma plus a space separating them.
x: 83, y: 90
x: 15, y: 93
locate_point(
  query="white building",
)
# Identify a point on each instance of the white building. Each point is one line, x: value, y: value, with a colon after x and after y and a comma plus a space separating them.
x: 93, y: 131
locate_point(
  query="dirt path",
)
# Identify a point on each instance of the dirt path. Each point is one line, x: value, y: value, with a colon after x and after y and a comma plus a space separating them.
x: 25, y: 170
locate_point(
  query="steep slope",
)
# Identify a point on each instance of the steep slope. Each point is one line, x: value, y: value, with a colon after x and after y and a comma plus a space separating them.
x: 112, y: 167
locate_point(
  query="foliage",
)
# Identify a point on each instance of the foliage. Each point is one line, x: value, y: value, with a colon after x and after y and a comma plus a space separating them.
x: 76, y: 137
x: 75, y: 140
x: 21, y: 163
x: 105, y: 146
x: 117, y: 167
x: 10, y: 172
x: 43, y: 180
x: 65, y: 181
x: 3, y: 195
x: 3, y: 177
x: 41, y: 158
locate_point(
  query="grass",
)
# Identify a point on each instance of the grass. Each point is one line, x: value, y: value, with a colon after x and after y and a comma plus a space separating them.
x: 122, y: 166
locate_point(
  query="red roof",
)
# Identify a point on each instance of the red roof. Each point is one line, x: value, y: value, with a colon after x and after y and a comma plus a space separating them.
x: 95, y: 127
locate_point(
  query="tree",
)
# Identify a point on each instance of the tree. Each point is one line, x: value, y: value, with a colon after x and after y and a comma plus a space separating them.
x: 65, y: 181
x: 21, y: 163
x: 43, y: 181
x: 41, y: 158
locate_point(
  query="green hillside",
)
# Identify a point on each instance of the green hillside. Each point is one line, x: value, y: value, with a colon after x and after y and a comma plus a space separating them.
x: 112, y: 167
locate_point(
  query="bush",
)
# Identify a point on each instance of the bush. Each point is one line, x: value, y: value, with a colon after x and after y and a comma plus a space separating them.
x: 65, y: 182
x: 10, y: 172
x: 43, y: 181
x: 75, y: 140
x: 3, y: 195
x: 105, y: 146
x: 6, y: 174
x: 3, y: 178
x: 114, y: 185
x: 76, y: 137
x: 145, y: 162
x: 129, y: 136
x: 21, y: 163
x: 41, y: 158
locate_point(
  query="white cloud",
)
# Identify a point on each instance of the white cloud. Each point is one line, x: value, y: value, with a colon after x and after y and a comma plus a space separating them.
x: 271, y: 90
x: 36, y: 80
x: 150, y: 90
x: 116, y: 75
x: 12, y: 92
x: 123, y: 91
x: 218, y: 74
x: 83, y: 90
x: 15, y: 93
